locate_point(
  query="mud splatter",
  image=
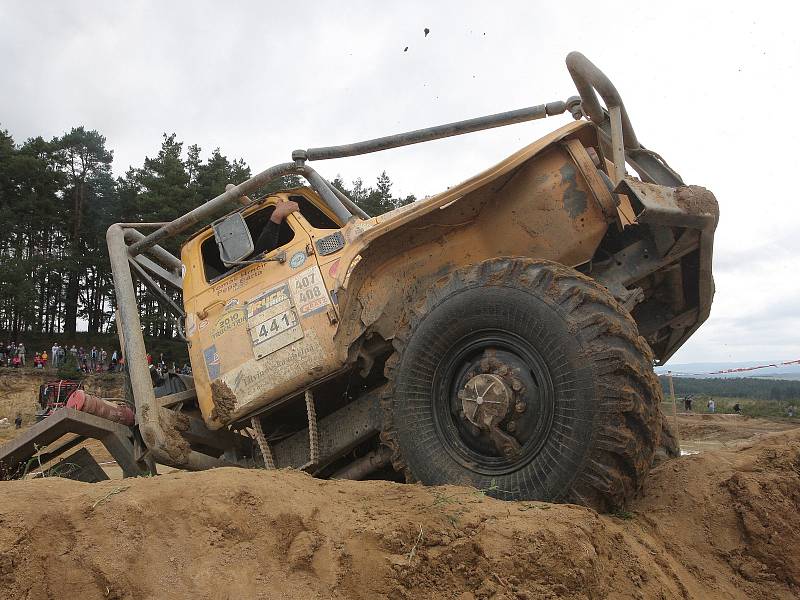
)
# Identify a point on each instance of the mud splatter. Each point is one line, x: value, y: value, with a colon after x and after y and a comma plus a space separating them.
x: 575, y: 199
x: 224, y: 401
x: 696, y: 200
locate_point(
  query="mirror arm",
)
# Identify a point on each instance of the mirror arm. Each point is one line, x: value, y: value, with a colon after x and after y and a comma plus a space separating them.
x: 280, y: 257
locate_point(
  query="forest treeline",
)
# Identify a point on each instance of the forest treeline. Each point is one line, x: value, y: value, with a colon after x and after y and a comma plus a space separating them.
x: 58, y: 197
x: 745, y: 387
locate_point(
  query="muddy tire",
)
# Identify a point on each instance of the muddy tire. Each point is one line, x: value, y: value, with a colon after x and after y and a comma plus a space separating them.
x: 569, y: 404
x: 668, y: 443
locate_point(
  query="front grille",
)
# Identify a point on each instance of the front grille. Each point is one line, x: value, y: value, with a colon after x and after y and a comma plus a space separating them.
x: 330, y: 244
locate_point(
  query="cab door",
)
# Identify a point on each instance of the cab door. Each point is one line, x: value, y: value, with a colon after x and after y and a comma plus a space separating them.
x: 242, y: 323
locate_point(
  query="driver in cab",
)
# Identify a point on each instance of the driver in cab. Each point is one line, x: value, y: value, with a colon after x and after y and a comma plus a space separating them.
x: 269, y: 239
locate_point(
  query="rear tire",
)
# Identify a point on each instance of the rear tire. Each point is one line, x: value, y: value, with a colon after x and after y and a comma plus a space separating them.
x: 552, y: 352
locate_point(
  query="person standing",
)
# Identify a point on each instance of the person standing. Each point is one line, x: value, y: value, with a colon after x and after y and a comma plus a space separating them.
x: 54, y: 355
x: 712, y: 407
x: 21, y: 353
x: 18, y: 421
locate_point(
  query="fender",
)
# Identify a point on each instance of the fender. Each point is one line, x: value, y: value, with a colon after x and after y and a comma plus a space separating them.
x: 547, y: 198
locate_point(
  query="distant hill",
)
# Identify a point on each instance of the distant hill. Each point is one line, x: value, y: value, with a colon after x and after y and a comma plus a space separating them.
x: 709, y: 369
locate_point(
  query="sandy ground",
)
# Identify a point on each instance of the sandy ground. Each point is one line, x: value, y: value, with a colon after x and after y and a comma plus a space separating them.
x: 721, y: 524
x: 702, y: 432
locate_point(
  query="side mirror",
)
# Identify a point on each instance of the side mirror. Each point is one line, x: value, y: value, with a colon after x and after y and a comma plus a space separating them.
x: 233, y: 239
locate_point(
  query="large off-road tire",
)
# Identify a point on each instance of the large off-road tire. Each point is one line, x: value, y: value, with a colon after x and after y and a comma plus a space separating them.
x: 552, y: 352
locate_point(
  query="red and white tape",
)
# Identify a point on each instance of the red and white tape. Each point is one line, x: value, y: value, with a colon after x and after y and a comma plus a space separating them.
x: 744, y: 369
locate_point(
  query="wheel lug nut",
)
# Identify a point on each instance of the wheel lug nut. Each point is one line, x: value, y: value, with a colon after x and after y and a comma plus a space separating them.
x: 502, y: 370
x: 516, y: 385
x: 511, y: 426
x: 520, y: 407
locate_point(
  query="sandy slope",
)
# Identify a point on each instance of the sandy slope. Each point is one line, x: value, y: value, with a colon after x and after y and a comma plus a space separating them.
x: 722, y: 524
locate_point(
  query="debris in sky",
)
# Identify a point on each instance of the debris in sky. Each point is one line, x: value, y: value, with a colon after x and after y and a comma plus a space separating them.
x: 427, y: 31
x: 405, y: 49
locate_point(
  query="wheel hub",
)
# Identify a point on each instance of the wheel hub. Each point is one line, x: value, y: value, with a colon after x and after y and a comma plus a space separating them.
x: 499, y: 402
x: 485, y: 400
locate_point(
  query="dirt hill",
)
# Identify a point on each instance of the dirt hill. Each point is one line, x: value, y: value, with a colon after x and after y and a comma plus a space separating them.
x: 721, y: 524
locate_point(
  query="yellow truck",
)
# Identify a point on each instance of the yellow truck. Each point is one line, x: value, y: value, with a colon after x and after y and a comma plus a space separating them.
x: 501, y: 334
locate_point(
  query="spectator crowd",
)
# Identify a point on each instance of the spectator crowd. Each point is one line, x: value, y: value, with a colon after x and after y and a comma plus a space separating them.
x: 87, y: 360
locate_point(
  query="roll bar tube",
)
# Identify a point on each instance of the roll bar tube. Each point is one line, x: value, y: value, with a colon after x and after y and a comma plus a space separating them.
x: 588, y: 78
x: 428, y: 134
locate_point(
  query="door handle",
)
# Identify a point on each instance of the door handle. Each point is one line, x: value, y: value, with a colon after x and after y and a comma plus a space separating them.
x: 203, y: 314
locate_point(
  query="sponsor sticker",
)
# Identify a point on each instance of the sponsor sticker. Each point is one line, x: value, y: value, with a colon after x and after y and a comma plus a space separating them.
x: 191, y: 325
x: 298, y: 260
x: 309, y: 293
x: 212, y: 361
x: 266, y: 300
x: 228, y: 321
x: 334, y: 268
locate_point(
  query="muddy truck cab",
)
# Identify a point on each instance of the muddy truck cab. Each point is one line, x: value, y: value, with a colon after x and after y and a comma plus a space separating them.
x: 501, y: 334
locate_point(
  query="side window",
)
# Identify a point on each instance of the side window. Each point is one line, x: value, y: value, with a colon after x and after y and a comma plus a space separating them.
x: 315, y: 217
x: 256, y: 223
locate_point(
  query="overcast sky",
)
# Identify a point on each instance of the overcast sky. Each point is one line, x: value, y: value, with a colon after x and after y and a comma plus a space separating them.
x: 712, y: 87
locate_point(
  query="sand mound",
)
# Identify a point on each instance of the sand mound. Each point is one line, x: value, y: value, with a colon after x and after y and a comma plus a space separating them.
x: 723, y: 524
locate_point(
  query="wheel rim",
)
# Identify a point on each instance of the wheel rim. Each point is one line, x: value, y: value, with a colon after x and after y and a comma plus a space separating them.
x: 507, y: 428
